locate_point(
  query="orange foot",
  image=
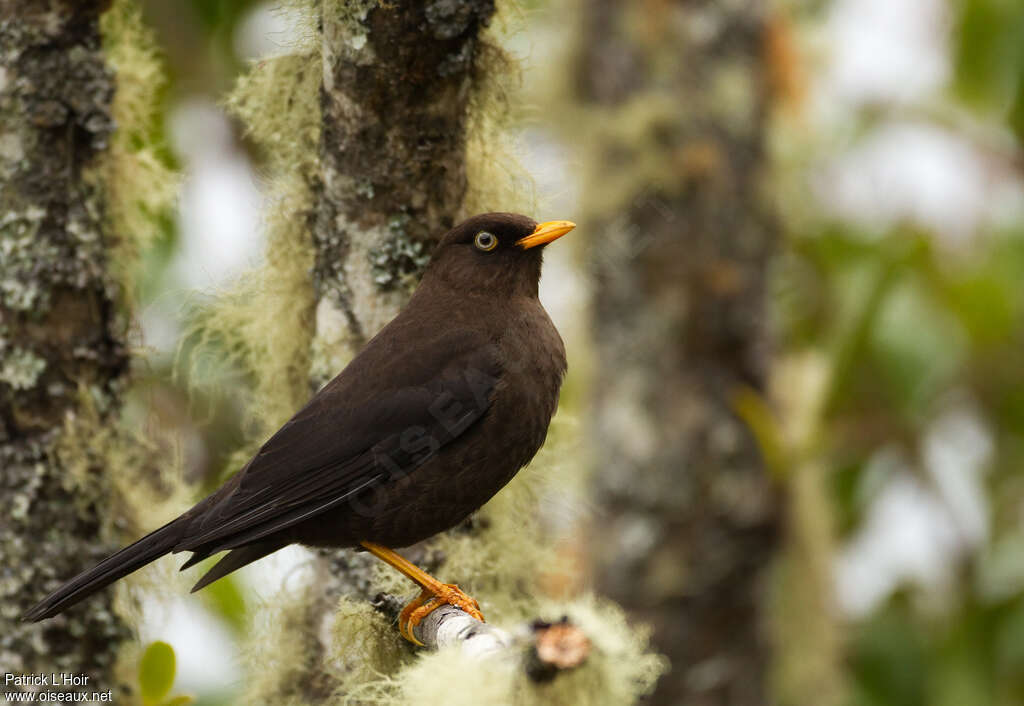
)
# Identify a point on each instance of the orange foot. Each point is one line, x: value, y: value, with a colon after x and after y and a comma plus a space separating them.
x: 431, y: 599
x: 433, y: 595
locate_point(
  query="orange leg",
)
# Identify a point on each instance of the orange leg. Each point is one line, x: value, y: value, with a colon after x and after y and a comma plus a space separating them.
x: 433, y: 595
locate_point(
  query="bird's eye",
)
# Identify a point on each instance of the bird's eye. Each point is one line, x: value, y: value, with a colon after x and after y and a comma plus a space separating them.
x: 485, y: 241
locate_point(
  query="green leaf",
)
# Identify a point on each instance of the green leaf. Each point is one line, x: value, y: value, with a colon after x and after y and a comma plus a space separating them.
x: 183, y: 700
x: 889, y: 657
x: 1016, y: 115
x: 226, y: 598
x: 988, y: 52
x: 156, y: 672
x: 754, y: 410
x: 917, y: 347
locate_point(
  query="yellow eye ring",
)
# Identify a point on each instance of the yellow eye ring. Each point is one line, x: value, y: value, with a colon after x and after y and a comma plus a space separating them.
x: 485, y: 241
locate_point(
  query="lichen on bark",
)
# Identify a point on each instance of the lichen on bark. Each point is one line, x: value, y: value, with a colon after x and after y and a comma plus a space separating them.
x: 395, y: 103
x: 61, y: 337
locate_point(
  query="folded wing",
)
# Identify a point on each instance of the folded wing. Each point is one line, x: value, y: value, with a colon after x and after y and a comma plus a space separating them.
x: 362, y: 429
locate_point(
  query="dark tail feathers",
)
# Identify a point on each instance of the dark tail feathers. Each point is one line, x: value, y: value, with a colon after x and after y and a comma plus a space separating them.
x: 153, y: 546
x: 235, y: 559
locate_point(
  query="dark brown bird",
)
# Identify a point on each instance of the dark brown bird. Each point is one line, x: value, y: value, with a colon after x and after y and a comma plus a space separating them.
x: 433, y: 417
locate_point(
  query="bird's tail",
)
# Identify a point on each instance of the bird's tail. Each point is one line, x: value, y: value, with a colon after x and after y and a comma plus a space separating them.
x: 135, y: 556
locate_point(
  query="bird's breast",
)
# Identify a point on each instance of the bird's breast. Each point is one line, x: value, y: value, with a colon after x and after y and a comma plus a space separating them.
x: 533, y: 363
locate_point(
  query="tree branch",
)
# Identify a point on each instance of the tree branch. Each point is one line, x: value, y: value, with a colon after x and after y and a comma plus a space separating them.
x: 544, y: 649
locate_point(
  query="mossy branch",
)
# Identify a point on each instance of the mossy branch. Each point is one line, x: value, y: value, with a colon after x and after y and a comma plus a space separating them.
x: 449, y: 626
x: 541, y: 649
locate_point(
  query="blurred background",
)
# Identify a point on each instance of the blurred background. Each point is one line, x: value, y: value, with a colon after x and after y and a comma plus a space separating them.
x: 891, y: 162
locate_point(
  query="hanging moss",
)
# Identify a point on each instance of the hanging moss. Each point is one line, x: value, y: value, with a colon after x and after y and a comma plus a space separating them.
x: 619, y: 670
x: 263, y: 321
x: 498, y: 181
x: 141, y: 184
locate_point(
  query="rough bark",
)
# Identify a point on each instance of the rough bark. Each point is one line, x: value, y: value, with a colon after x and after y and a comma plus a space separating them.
x: 675, y: 97
x: 395, y: 98
x: 61, y: 345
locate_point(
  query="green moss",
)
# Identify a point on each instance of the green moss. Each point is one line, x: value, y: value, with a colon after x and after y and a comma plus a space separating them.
x: 365, y: 645
x: 141, y: 185
x: 280, y: 652
x: 620, y: 669
x: 497, y: 179
x: 264, y: 320
x: 278, y: 102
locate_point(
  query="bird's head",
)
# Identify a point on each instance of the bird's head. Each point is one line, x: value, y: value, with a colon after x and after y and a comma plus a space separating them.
x: 494, y: 253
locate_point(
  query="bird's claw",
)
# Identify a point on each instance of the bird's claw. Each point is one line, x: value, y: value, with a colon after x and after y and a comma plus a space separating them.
x: 429, y: 600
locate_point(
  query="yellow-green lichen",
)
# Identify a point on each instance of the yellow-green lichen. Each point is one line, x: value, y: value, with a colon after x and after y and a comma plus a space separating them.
x: 366, y: 647
x: 497, y: 179
x: 141, y: 185
x: 263, y: 321
x: 281, y: 652
x: 620, y: 669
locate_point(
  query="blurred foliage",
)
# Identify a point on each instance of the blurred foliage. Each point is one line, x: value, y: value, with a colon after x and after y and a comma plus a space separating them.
x: 226, y: 599
x: 156, y: 676
x: 989, y: 57
x: 912, y: 326
x: 900, y: 659
x: 220, y: 16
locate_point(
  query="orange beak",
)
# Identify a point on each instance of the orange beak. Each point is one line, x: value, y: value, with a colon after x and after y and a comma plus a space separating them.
x: 544, y: 233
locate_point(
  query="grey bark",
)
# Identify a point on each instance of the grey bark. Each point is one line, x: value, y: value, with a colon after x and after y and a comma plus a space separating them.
x: 61, y: 340
x: 395, y: 99
x: 676, y: 99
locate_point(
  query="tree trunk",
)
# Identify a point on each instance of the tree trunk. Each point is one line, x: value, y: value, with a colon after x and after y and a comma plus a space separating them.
x: 675, y: 99
x: 62, y: 357
x: 394, y: 101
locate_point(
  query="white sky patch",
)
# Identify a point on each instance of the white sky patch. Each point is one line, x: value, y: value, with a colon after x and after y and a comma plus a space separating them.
x: 917, y: 528
x: 267, y: 30
x: 884, y: 50
x: 563, y: 288
x: 206, y: 651
x: 288, y: 569
x: 957, y: 449
x: 915, y: 173
x: 220, y: 201
x: 219, y: 217
x: 905, y: 538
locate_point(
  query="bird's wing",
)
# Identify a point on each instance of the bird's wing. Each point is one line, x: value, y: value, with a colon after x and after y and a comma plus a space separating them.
x: 356, y: 432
